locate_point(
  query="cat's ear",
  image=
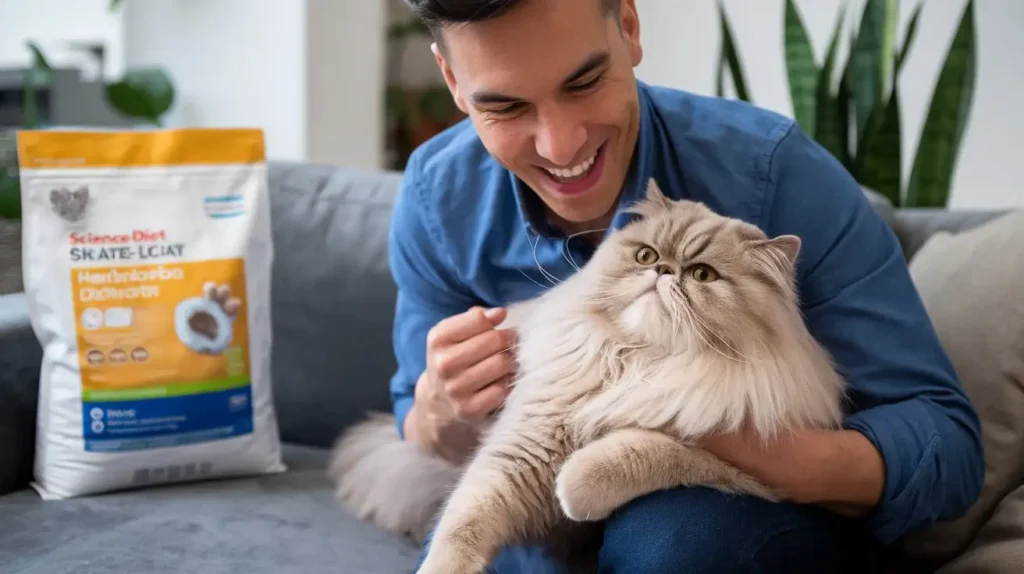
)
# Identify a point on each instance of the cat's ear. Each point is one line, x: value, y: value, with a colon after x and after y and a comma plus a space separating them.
x: 654, y: 194
x: 654, y: 201
x: 81, y: 193
x: 58, y: 195
x: 782, y: 250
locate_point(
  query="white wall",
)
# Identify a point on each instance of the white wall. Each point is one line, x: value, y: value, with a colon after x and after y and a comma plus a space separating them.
x: 345, y: 53
x: 235, y: 63
x: 52, y: 23
x: 681, y: 40
x: 309, y: 72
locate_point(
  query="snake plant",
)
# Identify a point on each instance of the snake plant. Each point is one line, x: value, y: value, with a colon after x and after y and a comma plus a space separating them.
x: 858, y: 121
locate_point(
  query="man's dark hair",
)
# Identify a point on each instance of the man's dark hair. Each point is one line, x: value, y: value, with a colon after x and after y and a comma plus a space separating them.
x: 437, y: 14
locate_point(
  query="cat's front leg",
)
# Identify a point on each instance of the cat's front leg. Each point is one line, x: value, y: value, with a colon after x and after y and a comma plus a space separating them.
x: 629, y: 463
x: 506, y: 496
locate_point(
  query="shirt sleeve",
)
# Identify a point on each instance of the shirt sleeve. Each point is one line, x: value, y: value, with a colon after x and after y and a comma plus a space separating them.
x: 428, y: 291
x: 860, y: 302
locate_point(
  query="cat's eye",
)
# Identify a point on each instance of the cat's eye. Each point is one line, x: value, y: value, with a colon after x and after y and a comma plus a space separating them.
x: 646, y: 256
x: 703, y: 273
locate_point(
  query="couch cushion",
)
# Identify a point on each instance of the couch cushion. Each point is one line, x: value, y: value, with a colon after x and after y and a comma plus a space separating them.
x: 20, y: 355
x: 972, y: 285
x: 332, y: 297
x: 915, y: 226
x: 999, y: 546
x: 288, y: 522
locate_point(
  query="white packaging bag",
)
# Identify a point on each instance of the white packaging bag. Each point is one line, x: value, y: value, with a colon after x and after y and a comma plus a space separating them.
x: 147, y: 261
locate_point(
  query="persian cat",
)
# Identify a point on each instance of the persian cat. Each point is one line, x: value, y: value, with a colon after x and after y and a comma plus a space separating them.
x: 683, y: 323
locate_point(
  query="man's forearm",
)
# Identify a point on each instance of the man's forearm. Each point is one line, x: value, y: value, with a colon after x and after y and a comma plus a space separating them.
x: 851, y: 473
x: 840, y: 470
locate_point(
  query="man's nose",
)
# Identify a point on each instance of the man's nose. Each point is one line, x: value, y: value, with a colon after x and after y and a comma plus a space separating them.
x: 559, y: 138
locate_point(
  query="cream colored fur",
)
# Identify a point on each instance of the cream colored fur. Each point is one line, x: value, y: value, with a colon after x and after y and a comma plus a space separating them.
x: 619, y: 367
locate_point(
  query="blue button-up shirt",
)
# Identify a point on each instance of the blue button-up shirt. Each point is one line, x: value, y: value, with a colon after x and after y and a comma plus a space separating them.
x: 467, y: 232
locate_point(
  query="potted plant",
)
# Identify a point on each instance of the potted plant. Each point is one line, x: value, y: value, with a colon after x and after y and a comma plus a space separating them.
x: 143, y: 94
x: 859, y: 121
x: 10, y: 217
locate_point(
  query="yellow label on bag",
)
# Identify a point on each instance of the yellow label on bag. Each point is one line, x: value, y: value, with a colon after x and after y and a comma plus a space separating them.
x: 161, y: 330
x: 55, y: 149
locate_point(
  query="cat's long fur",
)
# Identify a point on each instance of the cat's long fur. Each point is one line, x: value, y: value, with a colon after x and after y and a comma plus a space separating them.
x: 618, y: 367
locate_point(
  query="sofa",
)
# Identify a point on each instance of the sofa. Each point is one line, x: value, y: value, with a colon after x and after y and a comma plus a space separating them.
x: 332, y: 312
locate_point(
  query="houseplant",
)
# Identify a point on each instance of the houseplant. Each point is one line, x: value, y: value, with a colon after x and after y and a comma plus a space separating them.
x: 858, y: 121
x: 142, y: 94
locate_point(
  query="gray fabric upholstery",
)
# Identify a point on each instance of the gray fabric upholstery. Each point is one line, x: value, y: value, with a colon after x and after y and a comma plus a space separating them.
x: 972, y: 284
x: 332, y: 310
x: 271, y: 524
x: 915, y: 226
x: 20, y: 356
x: 332, y: 297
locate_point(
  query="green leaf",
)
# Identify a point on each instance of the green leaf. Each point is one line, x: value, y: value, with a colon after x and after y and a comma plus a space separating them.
x: 802, y: 70
x: 142, y: 93
x: 114, y: 5
x: 732, y: 57
x: 908, y: 37
x: 880, y: 159
x: 948, y: 113
x: 10, y: 198
x: 40, y: 72
x: 828, y: 129
x: 871, y: 58
x: 10, y: 185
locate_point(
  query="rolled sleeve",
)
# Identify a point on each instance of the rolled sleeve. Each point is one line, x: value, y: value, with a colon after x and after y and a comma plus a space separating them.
x: 427, y: 289
x: 860, y: 302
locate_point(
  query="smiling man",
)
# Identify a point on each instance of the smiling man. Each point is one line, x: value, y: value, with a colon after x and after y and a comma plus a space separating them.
x: 560, y: 139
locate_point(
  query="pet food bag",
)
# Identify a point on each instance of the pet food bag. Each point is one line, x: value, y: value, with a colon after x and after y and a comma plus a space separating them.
x: 147, y: 274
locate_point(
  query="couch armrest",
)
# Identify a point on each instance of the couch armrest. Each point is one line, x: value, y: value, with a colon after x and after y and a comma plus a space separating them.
x: 20, y: 357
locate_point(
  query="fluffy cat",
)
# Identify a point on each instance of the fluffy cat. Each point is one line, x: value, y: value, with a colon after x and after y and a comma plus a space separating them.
x: 684, y: 322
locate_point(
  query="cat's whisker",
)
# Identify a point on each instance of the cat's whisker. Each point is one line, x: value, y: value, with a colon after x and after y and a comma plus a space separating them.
x: 554, y: 280
x: 702, y: 326
x: 535, y: 282
x: 565, y: 246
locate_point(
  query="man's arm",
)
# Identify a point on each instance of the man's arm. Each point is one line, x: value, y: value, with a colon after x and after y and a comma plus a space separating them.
x: 860, y: 302
x: 428, y: 291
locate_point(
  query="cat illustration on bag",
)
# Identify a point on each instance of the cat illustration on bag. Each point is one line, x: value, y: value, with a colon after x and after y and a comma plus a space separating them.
x: 68, y: 204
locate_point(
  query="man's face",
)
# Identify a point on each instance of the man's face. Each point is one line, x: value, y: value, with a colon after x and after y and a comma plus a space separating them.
x: 549, y: 87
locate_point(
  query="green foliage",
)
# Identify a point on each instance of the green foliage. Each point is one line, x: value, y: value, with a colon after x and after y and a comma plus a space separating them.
x: 858, y: 121
x: 142, y: 93
x: 10, y: 197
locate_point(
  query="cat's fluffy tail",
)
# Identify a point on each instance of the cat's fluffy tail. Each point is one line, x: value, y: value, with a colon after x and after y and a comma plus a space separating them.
x: 390, y: 482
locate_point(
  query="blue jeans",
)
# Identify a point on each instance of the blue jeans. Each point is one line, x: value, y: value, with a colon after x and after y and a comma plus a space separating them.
x: 700, y: 529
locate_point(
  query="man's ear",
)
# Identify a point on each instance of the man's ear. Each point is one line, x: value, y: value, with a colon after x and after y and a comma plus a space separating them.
x: 449, y: 77
x: 630, y: 23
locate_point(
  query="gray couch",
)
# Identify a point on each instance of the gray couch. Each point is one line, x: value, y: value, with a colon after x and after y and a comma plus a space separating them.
x: 332, y: 313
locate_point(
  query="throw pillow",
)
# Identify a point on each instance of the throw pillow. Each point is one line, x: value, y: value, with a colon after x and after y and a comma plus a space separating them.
x: 999, y: 545
x: 972, y: 284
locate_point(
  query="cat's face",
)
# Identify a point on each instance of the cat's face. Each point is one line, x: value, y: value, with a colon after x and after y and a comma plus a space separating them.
x: 683, y: 276
x: 68, y: 204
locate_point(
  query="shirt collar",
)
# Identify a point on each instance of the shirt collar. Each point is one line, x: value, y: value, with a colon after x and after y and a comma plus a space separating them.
x: 641, y: 169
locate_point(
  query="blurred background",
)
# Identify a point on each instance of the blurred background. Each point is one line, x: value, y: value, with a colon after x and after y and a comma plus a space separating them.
x: 353, y: 82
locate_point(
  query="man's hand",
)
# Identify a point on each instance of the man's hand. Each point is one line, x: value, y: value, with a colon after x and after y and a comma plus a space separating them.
x: 838, y: 470
x: 470, y: 363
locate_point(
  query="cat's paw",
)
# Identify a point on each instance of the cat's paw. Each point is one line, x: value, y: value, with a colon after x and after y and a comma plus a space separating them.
x: 582, y: 492
x: 743, y: 483
x: 440, y: 560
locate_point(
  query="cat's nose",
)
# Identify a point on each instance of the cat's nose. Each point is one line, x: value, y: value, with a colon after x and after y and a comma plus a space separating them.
x: 663, y: 269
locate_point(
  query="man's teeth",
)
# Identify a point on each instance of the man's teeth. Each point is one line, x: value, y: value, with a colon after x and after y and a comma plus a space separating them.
x: 575, y: 171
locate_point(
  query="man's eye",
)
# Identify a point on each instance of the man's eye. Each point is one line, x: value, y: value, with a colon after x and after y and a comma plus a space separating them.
x: 504, y: 111
x: 586, y: 85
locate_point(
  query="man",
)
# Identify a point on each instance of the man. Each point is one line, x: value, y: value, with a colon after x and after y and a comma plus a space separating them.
x: 560, y: 139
